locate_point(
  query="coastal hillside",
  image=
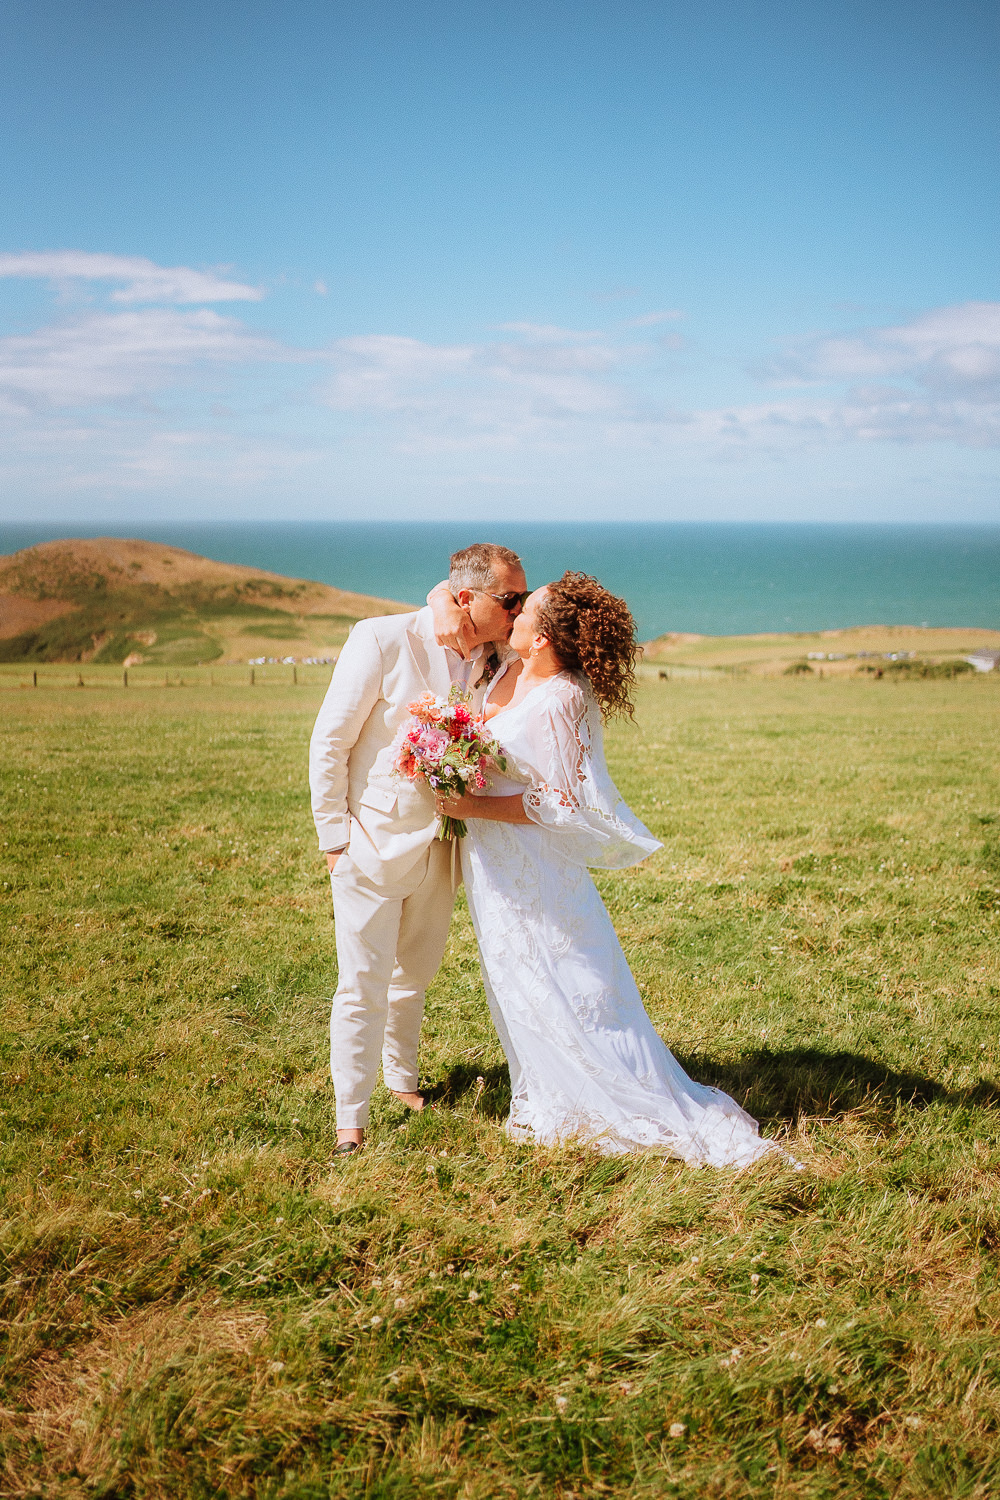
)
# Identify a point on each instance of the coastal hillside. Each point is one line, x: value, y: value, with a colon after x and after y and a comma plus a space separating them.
x: 860, y: 648
x: 108, y: 599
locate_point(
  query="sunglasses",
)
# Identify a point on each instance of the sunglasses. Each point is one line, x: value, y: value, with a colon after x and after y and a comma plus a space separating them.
x: 509, y: 602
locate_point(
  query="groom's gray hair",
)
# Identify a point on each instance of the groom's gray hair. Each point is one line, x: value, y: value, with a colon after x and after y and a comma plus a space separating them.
x: 475, y: 567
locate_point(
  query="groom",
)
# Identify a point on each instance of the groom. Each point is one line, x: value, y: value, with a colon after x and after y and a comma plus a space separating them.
x: 391, y: 878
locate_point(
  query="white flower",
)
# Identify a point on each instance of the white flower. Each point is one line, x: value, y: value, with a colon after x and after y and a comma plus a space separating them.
x: 626, y: 1387
x: 376, y: 1281
x: 473, y: 1296
x: 754, y: 1279
x: 561, y: 1403
x: 279, y: 1221
x: 677, y: 1429
x: 515, y: 1286
x: 275, y: 1367
x: 399, y: 1303
x: 820, y: 1322
x: 466, y: 1275
x: 912, y: 1423
x: 376, y: 1321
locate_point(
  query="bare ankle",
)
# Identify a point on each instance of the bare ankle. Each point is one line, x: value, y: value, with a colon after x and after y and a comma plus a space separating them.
x: 411, y: 1099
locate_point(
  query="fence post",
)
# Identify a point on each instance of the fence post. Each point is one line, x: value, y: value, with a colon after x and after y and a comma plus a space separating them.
x: 34, y: 679
x: 79, y: 679
x: 124, y: 677
x: 252, y: 677
x: 295, y: 677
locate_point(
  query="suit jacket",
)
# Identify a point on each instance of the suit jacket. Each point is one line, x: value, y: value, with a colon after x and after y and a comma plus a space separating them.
x: 385, y: 821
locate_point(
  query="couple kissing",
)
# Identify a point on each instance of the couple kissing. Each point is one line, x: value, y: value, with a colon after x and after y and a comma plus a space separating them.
x: 544, y: 669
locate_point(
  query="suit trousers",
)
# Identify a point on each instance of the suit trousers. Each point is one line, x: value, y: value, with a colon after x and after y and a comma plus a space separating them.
x: 390, y: 942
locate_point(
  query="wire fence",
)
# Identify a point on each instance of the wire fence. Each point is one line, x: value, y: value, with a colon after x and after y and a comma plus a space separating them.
x: 47, y: 676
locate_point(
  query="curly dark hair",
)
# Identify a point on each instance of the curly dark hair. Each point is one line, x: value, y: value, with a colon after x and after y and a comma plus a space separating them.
x: 593, y: 632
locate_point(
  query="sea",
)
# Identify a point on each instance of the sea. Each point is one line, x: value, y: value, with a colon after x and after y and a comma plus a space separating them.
x: 714, y: 579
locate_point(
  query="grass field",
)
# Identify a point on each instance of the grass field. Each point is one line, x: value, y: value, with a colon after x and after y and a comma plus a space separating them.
x: 196, y: 1303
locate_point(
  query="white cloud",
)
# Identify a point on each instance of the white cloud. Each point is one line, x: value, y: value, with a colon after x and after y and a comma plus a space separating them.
x: 142, y: 280
x: 111, y: 356
x: 481, y: 394
x: 944, y: 369
x: 946, y: 347
x: 552, y: 386
x: 547, y: 333
x: 130, y: 395
x: 867, y: 415
x: 651, y: 320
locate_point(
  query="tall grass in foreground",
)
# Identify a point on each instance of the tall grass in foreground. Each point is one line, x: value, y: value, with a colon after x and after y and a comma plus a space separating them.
x: 197, y: 1303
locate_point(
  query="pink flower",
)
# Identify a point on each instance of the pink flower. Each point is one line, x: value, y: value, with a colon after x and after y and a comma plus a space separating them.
x: 431, y: 743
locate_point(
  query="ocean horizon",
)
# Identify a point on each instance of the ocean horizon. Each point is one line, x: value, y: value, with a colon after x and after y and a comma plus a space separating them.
x: 718, y: 578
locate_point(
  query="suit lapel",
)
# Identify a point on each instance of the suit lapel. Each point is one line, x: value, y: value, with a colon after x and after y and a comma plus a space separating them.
x: 429, y: 658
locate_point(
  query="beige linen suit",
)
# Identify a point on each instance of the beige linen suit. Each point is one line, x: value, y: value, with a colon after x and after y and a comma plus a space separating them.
x: 392, y: 888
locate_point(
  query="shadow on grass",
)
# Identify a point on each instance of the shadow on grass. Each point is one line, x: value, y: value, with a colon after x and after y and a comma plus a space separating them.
x: 775, y: 1087
x: 460, y: 1082
x: 780, y: 1087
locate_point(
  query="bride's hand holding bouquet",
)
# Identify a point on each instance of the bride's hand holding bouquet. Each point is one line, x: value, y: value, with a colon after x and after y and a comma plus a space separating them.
x: 447, y: 746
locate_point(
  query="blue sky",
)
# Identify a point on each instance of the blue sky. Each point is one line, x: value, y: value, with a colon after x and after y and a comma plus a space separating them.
x: 318, y: 260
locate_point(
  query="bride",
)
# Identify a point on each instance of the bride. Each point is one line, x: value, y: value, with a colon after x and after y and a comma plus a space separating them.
x: 586, y: 1064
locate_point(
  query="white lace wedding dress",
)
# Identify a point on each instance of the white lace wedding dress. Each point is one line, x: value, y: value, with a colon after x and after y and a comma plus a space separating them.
x: 585, y: 1061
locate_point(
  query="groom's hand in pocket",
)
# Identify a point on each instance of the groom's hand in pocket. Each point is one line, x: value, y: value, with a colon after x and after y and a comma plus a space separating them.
x: 331, y: 859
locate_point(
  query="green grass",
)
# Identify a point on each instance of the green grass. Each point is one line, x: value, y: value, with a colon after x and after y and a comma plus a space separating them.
x: 196, y: 1303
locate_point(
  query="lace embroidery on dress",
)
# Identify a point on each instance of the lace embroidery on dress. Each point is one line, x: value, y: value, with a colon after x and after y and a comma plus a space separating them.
x: 571, y: 789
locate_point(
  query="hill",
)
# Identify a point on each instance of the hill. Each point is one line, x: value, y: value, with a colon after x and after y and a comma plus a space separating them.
x: 108, y: 599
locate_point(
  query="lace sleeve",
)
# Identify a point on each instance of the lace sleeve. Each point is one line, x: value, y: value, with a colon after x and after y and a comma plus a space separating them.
x: 571, y: 791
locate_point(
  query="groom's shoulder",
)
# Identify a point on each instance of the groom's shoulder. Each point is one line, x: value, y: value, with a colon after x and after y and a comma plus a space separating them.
x: 387, y: 630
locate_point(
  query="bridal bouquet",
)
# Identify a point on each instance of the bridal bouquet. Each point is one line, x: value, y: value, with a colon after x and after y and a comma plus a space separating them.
x: 446, y: 745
